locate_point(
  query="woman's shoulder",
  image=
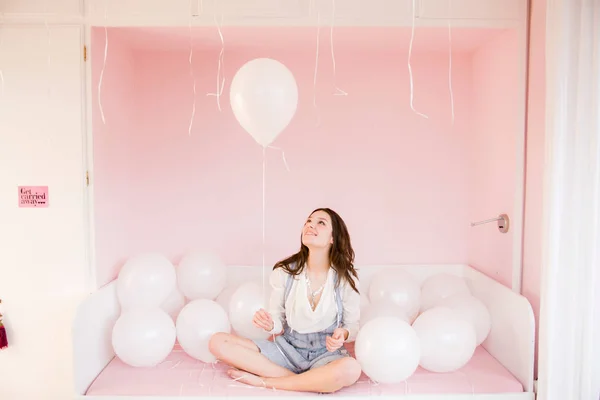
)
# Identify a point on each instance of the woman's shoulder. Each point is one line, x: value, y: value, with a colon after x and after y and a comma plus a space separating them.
x: 347, y: 287
x: 283, y: 271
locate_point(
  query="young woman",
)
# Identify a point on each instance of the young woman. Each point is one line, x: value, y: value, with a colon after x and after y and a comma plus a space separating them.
x: 314, y: 309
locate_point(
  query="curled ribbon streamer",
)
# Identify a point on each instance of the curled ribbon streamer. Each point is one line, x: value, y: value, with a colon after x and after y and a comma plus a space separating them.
x: 192, y: 75
x: 103, y: 67
x: 220, y: 64
x: 450, y: 58
x: 257, y: 377
x: 282, y: 156
x: 412, y: 37
x: 338, y: 91
x: 316, y: 69
x: 468, y: 381
x: 200, y: 376
x: 212, y: 381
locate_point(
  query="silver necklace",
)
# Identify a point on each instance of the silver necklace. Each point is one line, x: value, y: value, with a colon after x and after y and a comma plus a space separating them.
x: 314, y: 294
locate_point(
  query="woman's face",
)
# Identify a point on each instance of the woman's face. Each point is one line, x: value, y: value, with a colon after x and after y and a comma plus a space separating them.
x: 318, y: 230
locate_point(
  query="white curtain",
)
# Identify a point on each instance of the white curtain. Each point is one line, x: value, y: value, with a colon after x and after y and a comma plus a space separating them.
x: 569, y: 355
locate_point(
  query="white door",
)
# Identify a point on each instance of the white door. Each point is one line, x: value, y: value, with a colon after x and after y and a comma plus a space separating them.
x: 42, y: 249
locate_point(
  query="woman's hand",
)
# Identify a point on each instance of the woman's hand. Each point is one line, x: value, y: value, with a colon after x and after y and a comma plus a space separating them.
x: 263, y: 320
x: 336, y: 340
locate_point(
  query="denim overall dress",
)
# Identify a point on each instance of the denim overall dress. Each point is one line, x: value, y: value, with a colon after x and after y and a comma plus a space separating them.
x: 300, y: 352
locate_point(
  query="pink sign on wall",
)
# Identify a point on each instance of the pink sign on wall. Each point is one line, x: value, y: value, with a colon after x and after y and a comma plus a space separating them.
x: 33, y: 196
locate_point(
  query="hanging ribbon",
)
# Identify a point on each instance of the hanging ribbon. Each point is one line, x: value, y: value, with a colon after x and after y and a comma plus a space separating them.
x: 338, y: 91
x: 220, y: 74
x: 412, y: 37
x: 190, y: 58
x: 316, y: 69
x: 103, y: 66
x: 450, y: 58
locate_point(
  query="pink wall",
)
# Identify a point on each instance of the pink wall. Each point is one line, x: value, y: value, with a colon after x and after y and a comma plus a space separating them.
x: 404, y: 184
x: 112, y: 179
x: 492, y: 152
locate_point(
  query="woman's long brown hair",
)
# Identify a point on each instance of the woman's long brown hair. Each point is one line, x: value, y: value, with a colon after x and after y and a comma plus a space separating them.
x: 341, y: 254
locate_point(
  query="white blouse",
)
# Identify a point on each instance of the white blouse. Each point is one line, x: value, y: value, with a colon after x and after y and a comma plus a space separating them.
x: 298, y: 312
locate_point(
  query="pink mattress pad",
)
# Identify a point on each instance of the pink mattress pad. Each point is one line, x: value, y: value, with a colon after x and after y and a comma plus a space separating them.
x: 181, y: 375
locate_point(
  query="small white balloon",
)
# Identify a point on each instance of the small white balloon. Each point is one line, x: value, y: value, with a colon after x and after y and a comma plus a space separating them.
x: 447, y: 340
x: 201, y: 275
x: 264, y: 98
x: 399, y: 287
x: 245, y: 301
x: 383, y: 308
x: 174, y: 303
x: 472, y: 310
x: 387, y: 350
x: 143, y: 337
x: 145, y: 281
x: 196, y: 323
x: 440, y: 286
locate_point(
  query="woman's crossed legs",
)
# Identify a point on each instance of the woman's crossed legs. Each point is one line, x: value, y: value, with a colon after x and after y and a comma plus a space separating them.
x: 258, y: 370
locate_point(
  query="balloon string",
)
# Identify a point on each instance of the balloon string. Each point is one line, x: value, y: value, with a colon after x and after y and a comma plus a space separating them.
x: 412, y: 37
x: 103, y: 67
x: 220, y: 75
x: 264, y: 162
x: 316, y: 69
x: 450, y: 58
x: 338, y: 91
x: 192, y: 75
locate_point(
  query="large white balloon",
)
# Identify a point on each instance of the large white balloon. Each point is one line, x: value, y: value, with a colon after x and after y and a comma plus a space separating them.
x: 399, y: 287
x: 471, y: 309
x: 196, y: 323
x: 201, y: 275
x: 143, y: 337
x: 387, y: 350
x: 145, y: 281
x: 447, y: 340
x: 383, y: 308
x: 264, y: 98
x: 439, y: 286
x: 245, y: 301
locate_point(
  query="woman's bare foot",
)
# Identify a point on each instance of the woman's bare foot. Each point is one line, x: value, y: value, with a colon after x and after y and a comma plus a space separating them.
x: 246, y: 377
